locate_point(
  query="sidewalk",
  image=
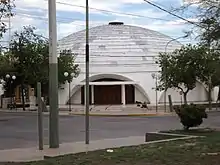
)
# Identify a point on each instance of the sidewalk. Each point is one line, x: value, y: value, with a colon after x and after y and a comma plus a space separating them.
x: 33, y: 154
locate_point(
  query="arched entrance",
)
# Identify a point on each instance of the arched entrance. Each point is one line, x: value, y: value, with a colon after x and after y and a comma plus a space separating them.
x: 109, y: 94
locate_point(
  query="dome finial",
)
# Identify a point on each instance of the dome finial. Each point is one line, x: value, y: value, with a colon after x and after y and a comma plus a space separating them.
x: 116, y: 23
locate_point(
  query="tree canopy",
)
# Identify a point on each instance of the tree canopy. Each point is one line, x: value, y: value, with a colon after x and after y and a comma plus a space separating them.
x: 178, y: 69
x: 6, y: 7
x: 205, y: 55
x: 207, y: 14
x: 29, y: 60
x: 182, y: 68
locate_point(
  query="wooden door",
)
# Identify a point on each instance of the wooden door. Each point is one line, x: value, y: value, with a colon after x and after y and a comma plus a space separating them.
x: 129, y: 94
x: 107, y: 94
x: 83, y: 95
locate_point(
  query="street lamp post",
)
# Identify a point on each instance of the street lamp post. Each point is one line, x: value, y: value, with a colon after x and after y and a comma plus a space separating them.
x: 155, y: 76
x: 66, y: 74
x: 165, y: 91
x: 87, y: 75
x: 10, y: 79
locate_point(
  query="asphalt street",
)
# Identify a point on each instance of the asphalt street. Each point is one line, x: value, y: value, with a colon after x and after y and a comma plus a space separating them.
x: 19, y: 130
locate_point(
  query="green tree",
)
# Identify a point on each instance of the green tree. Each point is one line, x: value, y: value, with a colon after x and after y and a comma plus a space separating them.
x: 30, y: 54
x: 207, y: 27
x: 209, y: 69
x: 26, y: 48
x: 179, y: 69
x: 65, y: 64
x: 6, y: 66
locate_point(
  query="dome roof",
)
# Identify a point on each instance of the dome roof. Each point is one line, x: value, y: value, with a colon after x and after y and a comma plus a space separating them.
x: 118, y: 45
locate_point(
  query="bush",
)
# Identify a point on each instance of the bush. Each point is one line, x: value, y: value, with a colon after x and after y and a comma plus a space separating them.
x: 191, y: 115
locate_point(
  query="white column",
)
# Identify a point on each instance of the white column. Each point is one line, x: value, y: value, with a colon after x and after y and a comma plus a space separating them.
x: 123, y: 94
x: 92, y: 94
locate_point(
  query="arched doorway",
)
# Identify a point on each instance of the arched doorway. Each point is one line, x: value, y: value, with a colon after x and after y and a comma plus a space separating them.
x: 109, y: 94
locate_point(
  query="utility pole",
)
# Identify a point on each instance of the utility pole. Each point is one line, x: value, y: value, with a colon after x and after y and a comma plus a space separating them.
x: 53, y: 76
x: 87, y: 75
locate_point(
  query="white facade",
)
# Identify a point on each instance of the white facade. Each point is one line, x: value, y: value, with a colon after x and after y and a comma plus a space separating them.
x: 125, y: 53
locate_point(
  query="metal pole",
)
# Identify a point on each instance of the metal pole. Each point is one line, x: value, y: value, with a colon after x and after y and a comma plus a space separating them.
x: 210, y: 93
x: 87, y: 75
x: 40, y: 117
x: 9, y: 29
x: 53, y: 76
x: 69, y: 99
x: 156, y: 96
x: 11, y: 93
x: 181, y: 102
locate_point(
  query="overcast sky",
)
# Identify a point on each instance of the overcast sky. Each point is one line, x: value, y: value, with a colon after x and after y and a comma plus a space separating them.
x: 71, y: 18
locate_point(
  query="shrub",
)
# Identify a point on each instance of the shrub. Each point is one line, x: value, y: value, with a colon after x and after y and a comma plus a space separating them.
x: 191, y: 115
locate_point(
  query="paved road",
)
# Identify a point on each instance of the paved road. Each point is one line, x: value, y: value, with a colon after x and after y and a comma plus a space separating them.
x: 20, y: 130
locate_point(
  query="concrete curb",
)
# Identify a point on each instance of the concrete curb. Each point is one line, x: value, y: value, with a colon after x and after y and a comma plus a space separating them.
x: 123, y: 115
x: 110, y: 114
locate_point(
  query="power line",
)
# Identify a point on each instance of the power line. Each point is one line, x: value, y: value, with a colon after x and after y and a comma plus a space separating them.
x: 46, y: 20
x: 118, y: 64
x: 114, y: 12
x: 153, y: 4
x: 97, y: 55
x: 41, y: 17
x: 141, y: 71
x: 62, y: 19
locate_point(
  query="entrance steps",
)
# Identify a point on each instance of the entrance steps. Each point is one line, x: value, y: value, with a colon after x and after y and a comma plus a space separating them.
x: 115, y: 108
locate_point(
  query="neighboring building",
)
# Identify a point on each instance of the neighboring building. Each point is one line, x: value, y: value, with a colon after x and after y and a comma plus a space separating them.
x: 122, y: 60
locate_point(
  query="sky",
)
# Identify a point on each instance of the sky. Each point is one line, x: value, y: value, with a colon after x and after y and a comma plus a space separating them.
x: 71, y: 16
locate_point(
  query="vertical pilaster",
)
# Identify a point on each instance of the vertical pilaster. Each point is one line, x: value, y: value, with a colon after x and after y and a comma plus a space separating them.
x: 123, y: 99
x: 92, y: 94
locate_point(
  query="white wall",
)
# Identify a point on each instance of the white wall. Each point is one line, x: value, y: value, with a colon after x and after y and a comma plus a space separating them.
x: 198, y: 94
x: 76, y: 97
x: 146, y: 85
x: 1, y: 89
x: 215, y: 93
x: 139, y: 96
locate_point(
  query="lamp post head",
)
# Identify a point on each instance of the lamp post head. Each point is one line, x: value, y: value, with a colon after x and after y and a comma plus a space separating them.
x: 72, y: 74
x: 66, y: 74
x: 7, y: 76
x: 153, y: 75
x: 14, y: 77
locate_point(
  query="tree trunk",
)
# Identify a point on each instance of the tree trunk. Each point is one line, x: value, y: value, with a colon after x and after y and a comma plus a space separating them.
x: 22, y: 95
x: 210, y: 98
x: 185, y: 97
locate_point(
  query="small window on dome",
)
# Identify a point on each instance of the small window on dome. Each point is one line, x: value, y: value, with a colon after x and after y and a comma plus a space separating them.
x: 145, y: 50
x: 114, y: 63
x: 144, y: 58
x: 102, y: 47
